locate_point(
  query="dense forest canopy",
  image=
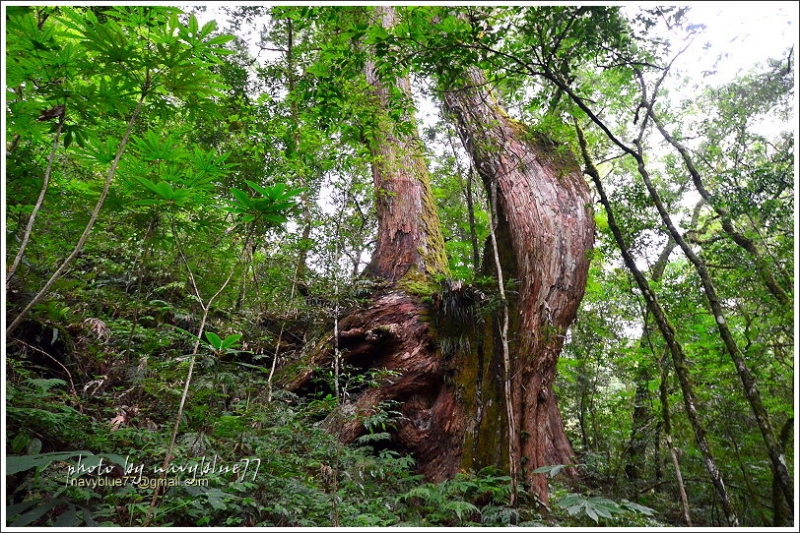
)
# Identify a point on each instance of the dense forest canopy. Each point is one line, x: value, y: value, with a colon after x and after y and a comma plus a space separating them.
x: 246, y: 284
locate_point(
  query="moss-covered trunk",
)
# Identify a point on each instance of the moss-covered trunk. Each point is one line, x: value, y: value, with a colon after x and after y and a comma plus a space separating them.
x: 545, y: 220
x: 392, y: 332
x: 409, y: 243
x: 440, y: 342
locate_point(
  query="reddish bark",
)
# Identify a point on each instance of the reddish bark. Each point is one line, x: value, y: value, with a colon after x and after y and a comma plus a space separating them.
x: 544, y: 205
x: 393, y: 333
x: 409, y: 240
x: 447, y: 361
x: 452, y: 399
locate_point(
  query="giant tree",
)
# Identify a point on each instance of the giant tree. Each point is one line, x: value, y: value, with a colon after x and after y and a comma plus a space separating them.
x: 465, y: 380
x: 543, y: 207
x: 586, y: 55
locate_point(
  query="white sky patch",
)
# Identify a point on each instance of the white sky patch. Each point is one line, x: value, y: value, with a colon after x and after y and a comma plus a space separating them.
x: 743, y: 33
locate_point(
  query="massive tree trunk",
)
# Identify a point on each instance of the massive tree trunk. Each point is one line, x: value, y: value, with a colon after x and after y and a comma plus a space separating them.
x: 545, y: 218
x: 443, y: 345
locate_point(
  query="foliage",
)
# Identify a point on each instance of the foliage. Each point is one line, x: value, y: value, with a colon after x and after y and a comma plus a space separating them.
x: 252, y: 173
x: 609, y: 511
x: 475, y: 500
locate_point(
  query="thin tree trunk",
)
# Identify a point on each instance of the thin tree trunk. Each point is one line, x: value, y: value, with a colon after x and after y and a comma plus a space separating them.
x: 640, y: 413
x: 142, y: 260
x: 657, y: 474
x: 292, y: 153
x: 751, y: 392
x: 668, y: 332
x: 750, y: 492
x: 640, y: 419
x: 206, y: 307
x: 583, y: 409
x: 473, y: 234
x: 513, y: 444
x: 679, y: 480
x: 543, y: 204
x: 781, y: 513
x: 468, y: 196
x: 667, y: 425
x: 32, y: 218
x: 762, y: 265
x: 777, y: 459
x: 92, y: 218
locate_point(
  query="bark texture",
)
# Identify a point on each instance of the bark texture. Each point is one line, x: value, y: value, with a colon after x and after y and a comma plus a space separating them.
x: 545, y: 210
x: 442, y: 346
x: 393, y: 333
x: 409, y: 240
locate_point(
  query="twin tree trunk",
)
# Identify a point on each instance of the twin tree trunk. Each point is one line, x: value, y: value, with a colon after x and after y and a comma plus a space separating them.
x: 446, y: 356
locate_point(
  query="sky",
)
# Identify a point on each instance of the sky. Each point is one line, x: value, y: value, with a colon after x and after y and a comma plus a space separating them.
x: 747, y: 32
x: 743, y: 32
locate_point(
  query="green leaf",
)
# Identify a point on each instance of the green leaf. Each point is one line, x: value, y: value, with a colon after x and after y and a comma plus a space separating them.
x: 34, y: 446
x: 193, y: 25
x: 242, y: 198
x: 368, y: 438
x: 20, y: 442
x: 376, y: 33
x: 259, y: 189
x: 14, y: 510
x: 67, y: 518
x: 216, y: 498
x: 20, y: 463
x: 461, y: 507
x: 36, y: 513
x: 164, y: 190
x: 87, y: 517
x: 635, y: 507
x: 214, y: 340
x: 45, y: 385
x: 147, y: 202
x: 230, y: 340
x: 277, y: 219
x: 603, y: 510
x: 149, y: 184
x: 552, y: 470
x: 593, y: 507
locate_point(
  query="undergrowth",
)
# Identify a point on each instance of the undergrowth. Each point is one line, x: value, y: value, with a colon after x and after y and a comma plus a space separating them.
x: 91, y: 403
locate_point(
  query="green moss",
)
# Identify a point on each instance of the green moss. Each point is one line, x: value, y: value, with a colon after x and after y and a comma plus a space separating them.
x: 481, y: 390
x: 419, y: 286
x: 287, y: 373
x: 434, y: 255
